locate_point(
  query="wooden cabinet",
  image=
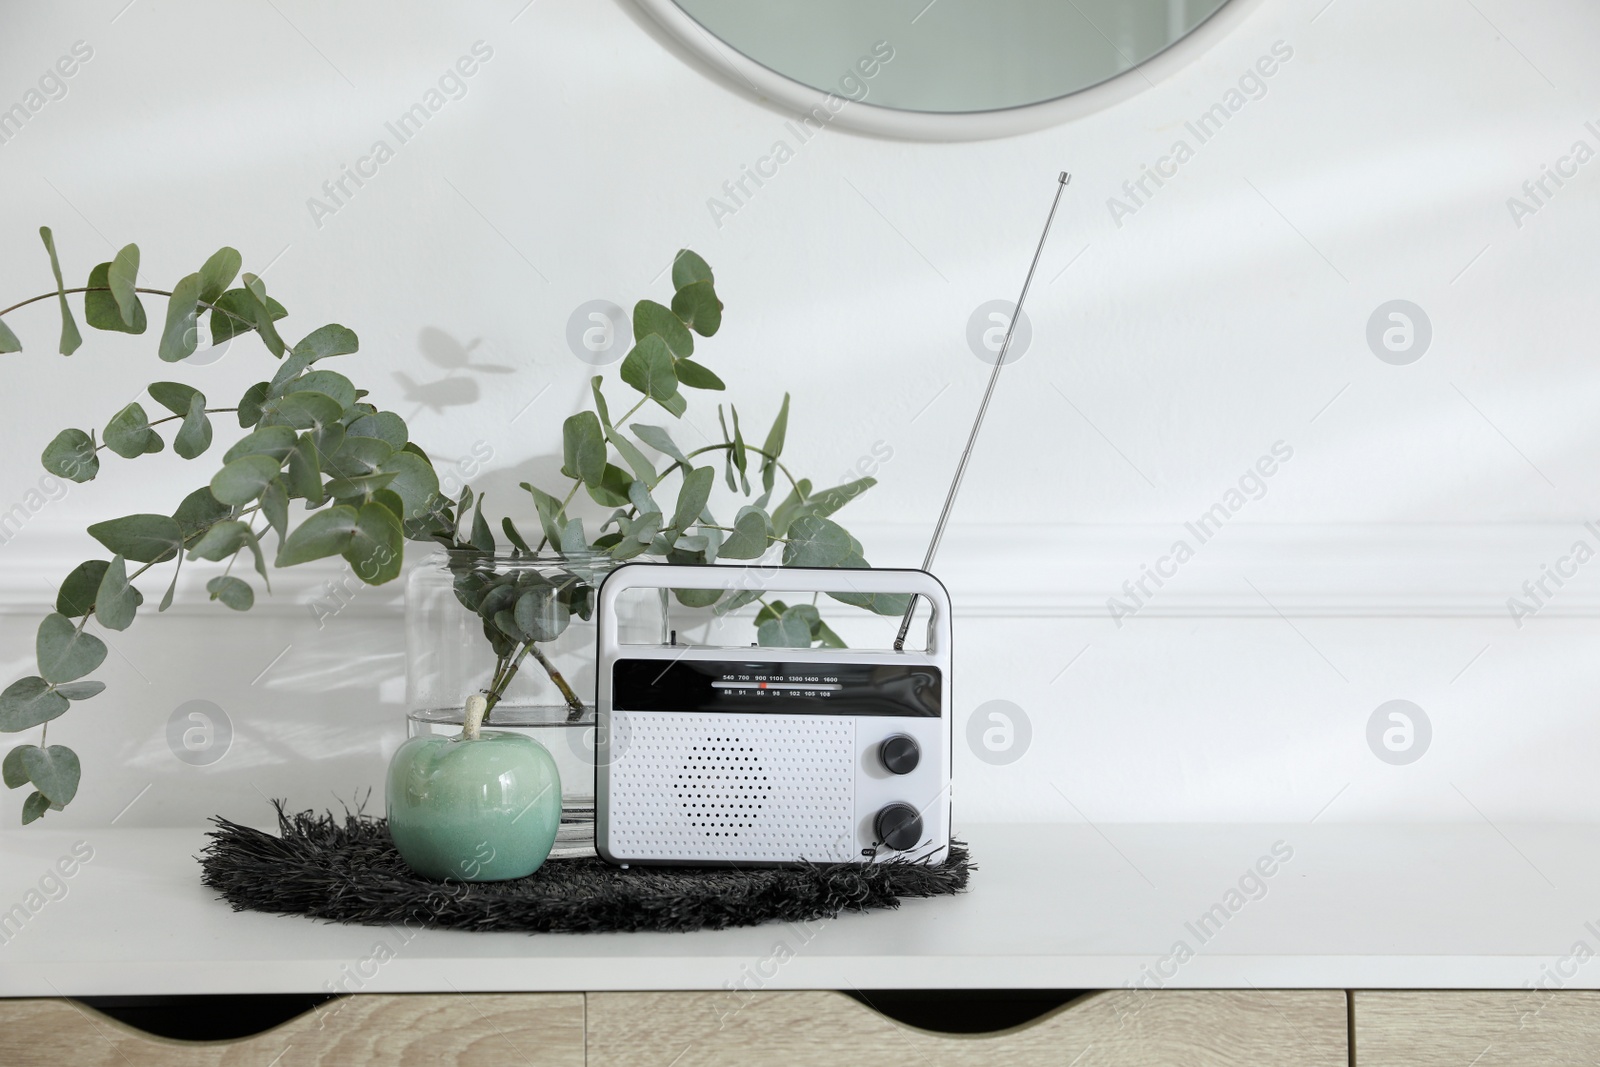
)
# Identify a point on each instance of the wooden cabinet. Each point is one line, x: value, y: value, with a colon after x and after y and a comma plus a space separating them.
x: 705, y: 1029
x: 428, y: 1030
x: 825, y: 1029
x: 1485, y: 1029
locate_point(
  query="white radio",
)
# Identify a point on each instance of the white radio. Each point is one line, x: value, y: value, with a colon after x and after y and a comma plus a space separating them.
x: 759, y: 755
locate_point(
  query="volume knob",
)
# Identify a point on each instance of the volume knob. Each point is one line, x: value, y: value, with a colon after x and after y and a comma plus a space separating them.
x: 899, y: 826
x: 899, y: 754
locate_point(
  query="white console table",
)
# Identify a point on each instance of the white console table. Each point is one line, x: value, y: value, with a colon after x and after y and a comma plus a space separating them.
x: 1362, y: 922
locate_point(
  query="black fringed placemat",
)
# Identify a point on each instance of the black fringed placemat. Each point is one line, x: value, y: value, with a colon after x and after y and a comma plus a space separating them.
x: 348, y: 871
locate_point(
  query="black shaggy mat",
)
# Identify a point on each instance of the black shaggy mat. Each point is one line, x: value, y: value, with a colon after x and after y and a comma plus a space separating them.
x: 347, y: 870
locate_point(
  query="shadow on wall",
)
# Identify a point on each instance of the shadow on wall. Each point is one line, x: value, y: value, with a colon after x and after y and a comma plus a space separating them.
x: 458, y: 386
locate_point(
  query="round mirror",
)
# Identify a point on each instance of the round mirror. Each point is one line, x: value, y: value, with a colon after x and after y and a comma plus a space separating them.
x: 937, y: 68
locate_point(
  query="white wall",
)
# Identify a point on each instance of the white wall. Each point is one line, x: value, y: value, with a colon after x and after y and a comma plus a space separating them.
x: 1170, y: 352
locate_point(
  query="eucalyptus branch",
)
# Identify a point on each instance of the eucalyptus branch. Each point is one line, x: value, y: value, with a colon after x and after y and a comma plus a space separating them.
x: 106, y: 289
x: 318, y: 426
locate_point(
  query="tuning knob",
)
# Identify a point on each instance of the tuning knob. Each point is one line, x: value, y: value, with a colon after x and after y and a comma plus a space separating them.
x: 899, y: 826
x: 899, y: 754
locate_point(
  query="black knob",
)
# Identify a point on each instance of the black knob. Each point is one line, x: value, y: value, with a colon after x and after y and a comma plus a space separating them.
x: 899, y: 754
x: 899, y: 826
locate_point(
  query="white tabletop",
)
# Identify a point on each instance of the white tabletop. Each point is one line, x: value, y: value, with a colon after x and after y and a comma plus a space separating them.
x: 1050, y: 906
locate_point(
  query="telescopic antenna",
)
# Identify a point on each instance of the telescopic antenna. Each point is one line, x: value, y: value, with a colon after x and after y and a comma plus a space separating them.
x: 983, y: 408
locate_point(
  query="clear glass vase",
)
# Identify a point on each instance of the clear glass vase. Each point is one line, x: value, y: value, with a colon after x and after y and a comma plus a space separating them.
x: 539, y: 672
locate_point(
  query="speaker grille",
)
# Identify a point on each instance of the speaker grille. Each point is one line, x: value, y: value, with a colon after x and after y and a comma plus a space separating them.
x: 772, y: 788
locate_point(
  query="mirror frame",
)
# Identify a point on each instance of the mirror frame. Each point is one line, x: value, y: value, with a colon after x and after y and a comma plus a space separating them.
x: 738, y: 71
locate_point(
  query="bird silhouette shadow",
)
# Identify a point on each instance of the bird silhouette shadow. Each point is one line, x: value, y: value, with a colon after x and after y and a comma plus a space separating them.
x: 458, y: 386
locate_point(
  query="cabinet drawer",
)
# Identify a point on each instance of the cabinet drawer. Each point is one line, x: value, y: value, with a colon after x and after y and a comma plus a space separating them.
x: 1486, y: 1029
x: 827, y: 1029
x: 449, y: 1030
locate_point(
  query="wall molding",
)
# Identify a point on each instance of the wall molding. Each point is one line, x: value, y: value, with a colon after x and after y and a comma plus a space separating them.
x: 1455, y: 570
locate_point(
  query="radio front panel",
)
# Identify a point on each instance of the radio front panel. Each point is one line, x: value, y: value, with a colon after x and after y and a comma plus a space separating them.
x: 771, y: 755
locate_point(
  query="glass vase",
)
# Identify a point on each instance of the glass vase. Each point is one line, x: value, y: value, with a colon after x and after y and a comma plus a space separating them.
x: 539, y: 673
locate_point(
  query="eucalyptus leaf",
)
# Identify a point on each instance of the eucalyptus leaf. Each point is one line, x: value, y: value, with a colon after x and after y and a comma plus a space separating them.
x: 301, y: 410
x: 514, y: 535
x: 218, y: 273
x: 642, y: 468
x: 128, y: 433
x: 552, y: 516
x: 648, y: 367
x: 692, y: 497
x: 893, y: 604
x: 675, y: 405
x: 233, y: 592
x: 304, y: 477
x: 194, y: 435
x: 81, y: 690
x: 697, y: 598
x: 327, y: 341
x: 66, y: 652
x: 688, y: 268
x: 242, y: 481
x: 377, y: 545
x: 816, y: 542
x: 237, y: 311
x: 828, y: 501
x: 221, y: 541
x: 386, y: 426
x: 361, y: 486
x: 660, y: 440
x: 116, y: 601
x: 325, y: 533
x: 330, y: 384
x: 261, y: 310
x: 71, y: 455
x: 100, y: 308
x: 34, y: 807
x: 121, y: 278
x: 174, y: 396
x: 54, y: 771
x: 482, y: 538
x: 198, y: 511
x: 274, y: 441
x: 696, y: 304
x: 752, y: 533
x: 180, y: 335
x: 275, y: 507
x: 613, y: 488
x: 8, y: 340
x: 76, y: 597
x: 790, y: 631
x: 415, y: 482
x: 27, y: 702
x: 541, y: 616
x: 583, y: 448
x: 695, y: 376
x: 650, y: 318
x: 140, y: 538
x: 11, y: 769
x: 791, y: 508
x: 70, y: 337
x: 250, y: 403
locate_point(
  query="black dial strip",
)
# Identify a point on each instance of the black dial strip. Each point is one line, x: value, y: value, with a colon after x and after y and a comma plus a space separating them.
x: 776, y: 687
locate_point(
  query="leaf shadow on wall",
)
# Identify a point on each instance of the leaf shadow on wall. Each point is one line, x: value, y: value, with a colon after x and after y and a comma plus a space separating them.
x: 458, y: 386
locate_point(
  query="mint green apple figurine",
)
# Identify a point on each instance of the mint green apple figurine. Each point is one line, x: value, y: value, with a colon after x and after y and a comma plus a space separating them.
x: 480, y: 807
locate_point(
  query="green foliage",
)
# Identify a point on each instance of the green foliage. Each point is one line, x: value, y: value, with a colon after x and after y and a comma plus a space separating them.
x: 70, y: 337
x: 306, y: 424
x: 366, y: 488
x: 529, y: 594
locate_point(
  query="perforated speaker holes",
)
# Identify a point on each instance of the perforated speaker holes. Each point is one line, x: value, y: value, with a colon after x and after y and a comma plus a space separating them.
x: 722, y: 786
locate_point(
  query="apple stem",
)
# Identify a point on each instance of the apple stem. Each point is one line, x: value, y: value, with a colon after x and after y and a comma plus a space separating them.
x: 477, y: 705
